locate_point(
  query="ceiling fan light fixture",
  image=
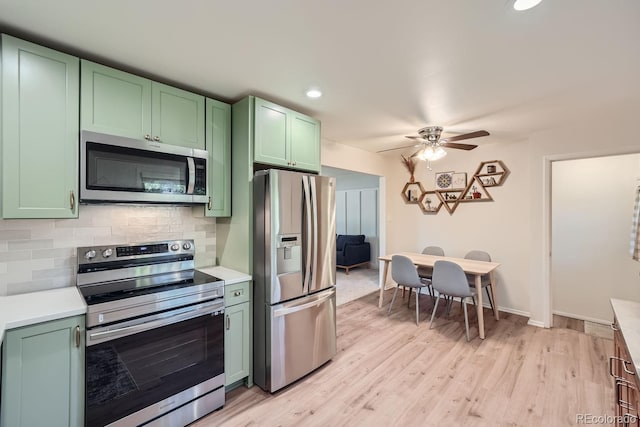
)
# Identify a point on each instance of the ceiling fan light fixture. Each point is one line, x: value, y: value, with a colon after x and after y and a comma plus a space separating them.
x: 430, y: 153
x: 521, y: 5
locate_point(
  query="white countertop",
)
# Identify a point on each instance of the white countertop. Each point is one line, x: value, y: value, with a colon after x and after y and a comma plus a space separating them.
x: 229, y: 276
x: 36, y: 307
x: 628, y: 319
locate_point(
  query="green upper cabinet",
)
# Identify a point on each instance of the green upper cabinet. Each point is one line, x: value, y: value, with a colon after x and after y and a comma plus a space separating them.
x: 305, y: 142
x: 271, y: 134
x: 40, y: 99
x: 177, y: 116
x: 218, y: 137
x: 43, y: 375
x: 283, y: 137
x: 114, y: 102
x: 123, y: 104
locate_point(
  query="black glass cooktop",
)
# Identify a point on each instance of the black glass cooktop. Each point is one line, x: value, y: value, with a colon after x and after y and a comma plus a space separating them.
x: 127, y: 288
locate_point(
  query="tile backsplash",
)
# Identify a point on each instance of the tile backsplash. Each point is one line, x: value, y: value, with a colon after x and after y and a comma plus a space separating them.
x: 39, y: 254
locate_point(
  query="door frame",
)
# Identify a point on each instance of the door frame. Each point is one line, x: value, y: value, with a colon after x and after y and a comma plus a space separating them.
x: 547, y: 303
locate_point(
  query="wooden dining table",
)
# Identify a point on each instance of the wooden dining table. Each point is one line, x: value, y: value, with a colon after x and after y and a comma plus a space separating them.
x: 470, y: 266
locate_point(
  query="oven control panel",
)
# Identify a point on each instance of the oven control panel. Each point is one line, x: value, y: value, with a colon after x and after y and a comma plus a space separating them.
x: 113, y: 253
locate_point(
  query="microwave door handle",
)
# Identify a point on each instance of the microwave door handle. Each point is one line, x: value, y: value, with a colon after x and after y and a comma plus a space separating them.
x: 192, y: 175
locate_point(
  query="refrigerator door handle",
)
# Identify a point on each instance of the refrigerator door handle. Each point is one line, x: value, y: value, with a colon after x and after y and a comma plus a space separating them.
x: 307, y: 203
x: 314, y: 207
x: 320, y: 299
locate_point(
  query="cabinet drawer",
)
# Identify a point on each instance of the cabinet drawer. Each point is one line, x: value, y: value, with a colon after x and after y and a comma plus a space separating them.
x: 235, y: 294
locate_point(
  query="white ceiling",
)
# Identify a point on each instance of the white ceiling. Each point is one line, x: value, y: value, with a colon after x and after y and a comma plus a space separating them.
x: 386, y: 68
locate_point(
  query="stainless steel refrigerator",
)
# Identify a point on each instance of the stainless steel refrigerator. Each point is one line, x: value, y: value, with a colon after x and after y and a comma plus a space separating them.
x: 294, y: 272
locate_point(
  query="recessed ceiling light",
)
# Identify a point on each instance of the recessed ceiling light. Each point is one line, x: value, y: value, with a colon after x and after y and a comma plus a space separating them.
x: 314, y: 93
x: 525, y: 4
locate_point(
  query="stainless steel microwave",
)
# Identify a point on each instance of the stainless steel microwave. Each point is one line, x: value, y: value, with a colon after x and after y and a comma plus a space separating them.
x: 118, y: 169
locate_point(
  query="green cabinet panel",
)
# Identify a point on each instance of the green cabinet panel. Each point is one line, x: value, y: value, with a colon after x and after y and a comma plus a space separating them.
x: 271, y: 134
x: 43, y: 375
x: 40, y: 99
x: 218, y: 137
x: 114, y: 102
x: 236, y: 342
x: 123, y: 104
x: 177, y: 116
x: 305, y: 142
x: 283, y: 137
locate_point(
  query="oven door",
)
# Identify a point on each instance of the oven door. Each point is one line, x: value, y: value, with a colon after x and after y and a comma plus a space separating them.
x: 127, y: 170
x: 140, y: 369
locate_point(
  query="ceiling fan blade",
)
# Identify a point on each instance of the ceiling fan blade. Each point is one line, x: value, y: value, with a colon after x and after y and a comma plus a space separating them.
x: 476, y: 134
x: 414, y: 137
x: 397, y: 148
x: 458, y: 146
x: 416, y: 153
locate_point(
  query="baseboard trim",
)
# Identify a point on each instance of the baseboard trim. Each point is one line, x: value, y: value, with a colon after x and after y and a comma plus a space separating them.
x: 536, y: 323
x: 585, y: 318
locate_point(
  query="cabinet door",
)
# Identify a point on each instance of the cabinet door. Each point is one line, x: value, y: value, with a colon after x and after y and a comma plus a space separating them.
x: 40, y: 99
x: 236, y: 343
x: 305, y: 142
x: 218, y: 133
x: 114, y: 102
x: 177, y: 116
x: 271, y: 133
x: 43, y: 375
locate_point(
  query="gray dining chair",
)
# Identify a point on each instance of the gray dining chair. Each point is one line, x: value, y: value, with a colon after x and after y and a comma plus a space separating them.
x: 485, y: 279
x: 450, y: 281
x: 427, y: 272
x: 405, y: 274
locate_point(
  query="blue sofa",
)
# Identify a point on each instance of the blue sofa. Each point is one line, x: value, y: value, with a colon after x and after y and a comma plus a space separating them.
x: 352, y: 251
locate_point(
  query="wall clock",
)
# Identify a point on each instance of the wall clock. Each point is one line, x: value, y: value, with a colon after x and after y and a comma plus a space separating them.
x: 444, y: 180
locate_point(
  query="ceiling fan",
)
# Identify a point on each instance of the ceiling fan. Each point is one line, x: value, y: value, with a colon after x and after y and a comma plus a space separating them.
x: 431, y: 146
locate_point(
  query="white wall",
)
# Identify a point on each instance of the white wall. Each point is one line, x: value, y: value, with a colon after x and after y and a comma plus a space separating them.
x: 592, y: 201
x: 497, y: 227
x: 514, y: 228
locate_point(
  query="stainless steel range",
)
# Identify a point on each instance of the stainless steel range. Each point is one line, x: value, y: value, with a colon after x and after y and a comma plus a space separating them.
x: 155, y: 335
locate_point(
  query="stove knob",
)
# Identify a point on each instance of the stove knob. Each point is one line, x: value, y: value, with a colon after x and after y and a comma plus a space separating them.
x: 107, y: 253
x: 89, y: 255
x: 186, y: 246
x: 175, y: 247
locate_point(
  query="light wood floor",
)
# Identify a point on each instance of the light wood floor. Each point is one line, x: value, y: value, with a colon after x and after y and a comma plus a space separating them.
x: 389, y: 372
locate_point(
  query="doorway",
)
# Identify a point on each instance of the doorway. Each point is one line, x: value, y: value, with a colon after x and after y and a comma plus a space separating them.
x: 358, y: 201
x: 591, y: 209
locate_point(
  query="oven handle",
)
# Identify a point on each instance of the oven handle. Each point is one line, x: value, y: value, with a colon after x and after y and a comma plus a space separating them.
x: 155, y: 321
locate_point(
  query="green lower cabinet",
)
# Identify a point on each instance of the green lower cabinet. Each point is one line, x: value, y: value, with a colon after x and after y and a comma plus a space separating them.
x: 237, y: 334
x: 43, y: 375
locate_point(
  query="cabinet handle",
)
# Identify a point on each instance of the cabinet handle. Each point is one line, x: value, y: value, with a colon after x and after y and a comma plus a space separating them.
x: 209, y: 205
x: 614, y: 327
x: 624, y: 366
x: 72, y: 200
x: 623, y: 403
x: 147, y: 137
x: 228, y: 322
x: 78, y: 336
x: 237, y: 293
x: 294, y: 163
x: 156, y: 138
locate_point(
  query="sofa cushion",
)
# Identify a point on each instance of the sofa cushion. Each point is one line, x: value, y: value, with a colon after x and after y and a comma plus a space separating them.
x: 343, y: 239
